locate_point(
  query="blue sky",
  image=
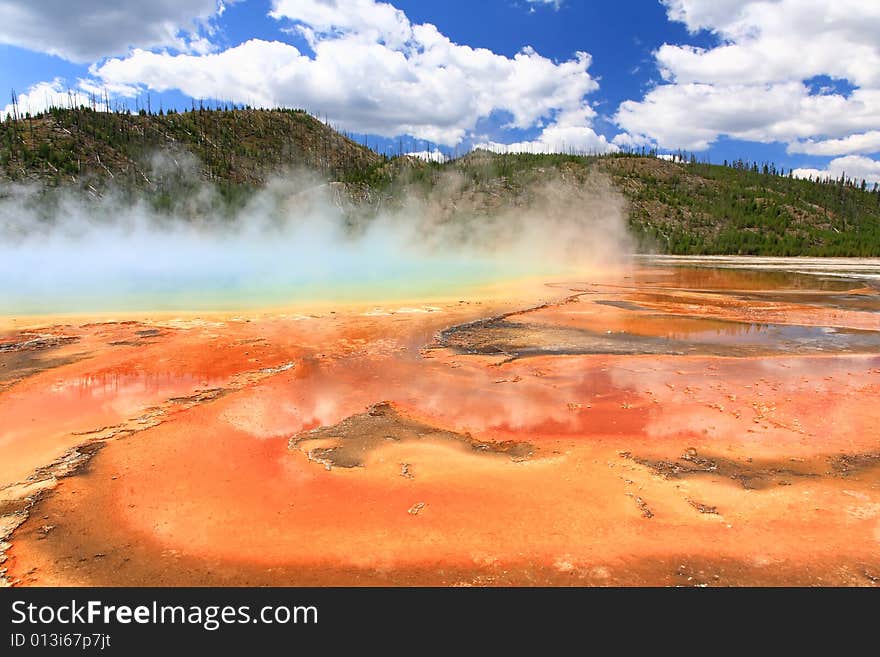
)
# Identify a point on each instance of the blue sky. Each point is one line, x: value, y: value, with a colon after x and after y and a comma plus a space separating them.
x: 796, y: 82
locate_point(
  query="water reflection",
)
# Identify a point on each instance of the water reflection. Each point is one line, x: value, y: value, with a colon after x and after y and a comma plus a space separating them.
x: 109, y: 385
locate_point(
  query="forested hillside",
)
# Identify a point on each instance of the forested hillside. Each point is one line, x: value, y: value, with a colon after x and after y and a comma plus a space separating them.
x: 681, y: 207
x: 693, y: 208
x: 234, y: 146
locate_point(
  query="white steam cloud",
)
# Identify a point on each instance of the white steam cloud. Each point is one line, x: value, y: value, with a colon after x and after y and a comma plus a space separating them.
x: 296, y: 240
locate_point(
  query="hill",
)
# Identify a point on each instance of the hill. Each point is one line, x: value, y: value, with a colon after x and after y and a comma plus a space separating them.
x: 694, y: 208
x: 674, y: 207
x: 233, y: 147
x: 685, y: 208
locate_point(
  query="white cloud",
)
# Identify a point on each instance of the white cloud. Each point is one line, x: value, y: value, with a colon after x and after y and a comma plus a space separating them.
x: 367, y: 19
x: 856, y: 167
x: 754, y: 84
x: 866, y: 142
x: 430, y: 156
x: 693, y: 115
x: 87, y: 30
x: 569, y: 133
x: 44, y: 95
x: 373, y: 71
x: 703, y: 15
x: 777, y: 41
x: 626, y: 140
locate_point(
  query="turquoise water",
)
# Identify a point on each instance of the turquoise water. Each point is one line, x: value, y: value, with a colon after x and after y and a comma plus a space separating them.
x: 282, y: 249
x: 226, y: 275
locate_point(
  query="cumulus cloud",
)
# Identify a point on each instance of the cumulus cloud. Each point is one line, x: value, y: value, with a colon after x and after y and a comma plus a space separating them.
x: 866, y: 142
x: 703, y: 15
x: 373, y: 71
x: 693, y: 115
x: 87, y: 30
x: 435, y: 155
x: 778, y: 41
x: 366, y: 19
x: 856, y: 167
x: 569, y: 133
x: 755, y: 84
x: 44, y: 95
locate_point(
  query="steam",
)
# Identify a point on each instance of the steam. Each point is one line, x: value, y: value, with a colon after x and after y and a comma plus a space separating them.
x: 296, y: 240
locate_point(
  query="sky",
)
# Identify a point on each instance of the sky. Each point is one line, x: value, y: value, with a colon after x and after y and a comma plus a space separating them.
x: 794, y: 82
